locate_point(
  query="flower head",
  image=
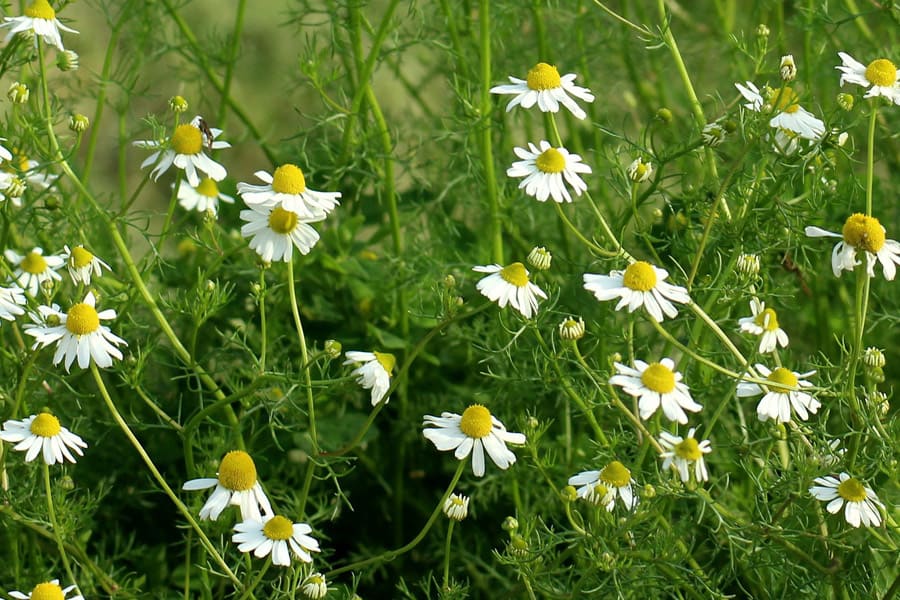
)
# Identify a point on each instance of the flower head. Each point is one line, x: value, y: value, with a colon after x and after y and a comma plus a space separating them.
x: 314, y: 586
x: 373, y: 372
x: 861, y: 505
x: 604, y: 486
x: 43, y: 434
x: 473, y: 432
x: 764, y: 323
x: 78, y: 333
x: 641, y: 284
x: 12, y: 299
x: 879, y: 77
x: 785, y: 103
x: 274, y: 231
x: 544, y: 86
x: 680, y: 453
x: 868, y: 235
x: 287, y: 187
x: 278, y: 536
x: 82, y: 264
x: 49, y: 590
x: 456, y: 507
x: 571, y: 328
x: 540, y: 258
x: 235, y: 484
x: 510, y: 285
x: 546, y: 170
x: 639, y: 171
x: 788, y: 70
x: 205, y: 196
x: 184, y: 149
x: 779, y: 399
x: 656, y: 384
x: 34, y: 269
x: 40, y: 18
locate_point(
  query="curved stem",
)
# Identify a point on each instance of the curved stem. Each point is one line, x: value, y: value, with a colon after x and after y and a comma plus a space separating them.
x: 447, y: 555
x: 248, y: 591
x: 304, y: 357
x: 51, y: 511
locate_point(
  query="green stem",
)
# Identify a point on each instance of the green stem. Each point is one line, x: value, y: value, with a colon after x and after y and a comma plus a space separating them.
x: 101, y: 96
x: 870, y: 156
x: 51, y: 511
x: 248, y: 591
x: 304, y: 357
x: 263, y: 330
x: 231, y: 60
x: 447, y: 555
x: 487, y: 155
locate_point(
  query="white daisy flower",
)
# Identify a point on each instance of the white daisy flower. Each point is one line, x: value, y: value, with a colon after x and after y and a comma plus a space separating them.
x: 544, y: 170
x: 764, y: 323
x: 314, y: 586
x: 49, y: 590
x: 603, y: 487
x: 639, y: 171
x: 82, y: 264
x: 202, y: 197
x: 18, y: 172
x: 474, y: 432
x: 640, y: 284
x: 34, y: 268
x: 862, y: 233
x: 40, y: 18
x: 185, y: 150
x: 861, y: 505
x: 77, y: 333
x: 680, y: 453
x: 12, y: 299
x: 274, y: 231
x: 777, y: 402
x: 456, y: 507
x: 235, y: 484
x: 510, y: 285
x: 287, y: 187
x: 544, y: 86
x: 42, y: 434
x: 276, y: 536
x: 786, y: 104
x: 656, y: 384
x: 880, y: 77
x: 374, y: 373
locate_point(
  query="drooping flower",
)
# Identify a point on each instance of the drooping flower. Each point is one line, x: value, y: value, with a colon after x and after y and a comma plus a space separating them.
x: 861, y: 505
x: 764, y: 323
x: 868, y: 235
x: 373, y: 372
x: 82, y: 264
x: 287, y: 187
x: 785, y: 103
x: 680, y: 453
x: 34, y: 269
x: 778, y: 400
x: 43, y: 434
x: 203, y: 197
x: 656, y: 384
x: 314, y: 586
x: 546, y: 170
x: 603, y: 487
x: 510, y: 285
x: 236, y: 484
x: 544, y: 86
x: 879, y: 77
x: 456, y: 507
x: 40, y: 18
x: 274, y: 232
x: 641, y: 284
x: 184, y: 149
x: 276, y: 536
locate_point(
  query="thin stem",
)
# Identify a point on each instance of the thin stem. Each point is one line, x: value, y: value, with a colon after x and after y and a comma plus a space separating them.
x: 487, y: 155
x: 447, y: 555
x: 870, y: 156
x: 263, y: 330
x: 231, y: 59
x: 248, y: 591
x: 51, y: 511
x: 304, y: 357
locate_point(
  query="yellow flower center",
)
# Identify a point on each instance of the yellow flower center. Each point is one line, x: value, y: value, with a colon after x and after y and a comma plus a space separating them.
x: 515, y: 274
x: 688, y: 449
x: 80, y: 258
x: 852, y: 490
x: 600, y: 491
x: 786, y: 100
x: 82, y: 319
x: 386, y: 360
x: 784, y: 377
x: 456, y: 500
x: 33, y: 263
x: 476, y: 421
x: 278, y: 528
x: 41, y: 9
x: 47, y: 591
x: 543, y: 77
x: 237, y: 471
x: 615, y: 474
x: 767, y: 319
x: 550, y: 160
x: 19, y: 162
x: 658, y: 378
x: 187, y: 140
x: 865, y: 233
x: 881, y: 72
x: 282, y: 221
x: 640, y: 276
x: 207, y: 187
x: 45, y: 425
x: 288, y: 179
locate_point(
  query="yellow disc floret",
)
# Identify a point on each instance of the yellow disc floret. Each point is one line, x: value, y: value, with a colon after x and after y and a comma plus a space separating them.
x: 784, y: 377
x: 278, y: 528
x: 767, y: 319
x: 550, y: 160
x: 658, y: 378
x: 864, y: 233
x: 47, y: 591
x: 80, y: 258
x: 187, y: 139
x: 282, y: 221
x: 615, y: 474
x: 852, y: 490
x: 386, y: 360
x: 786, y: 100
x: 476, y: 421
x: 237, y: 471
x: 82, y: 319
x: 288, y: 179
x: 515, y: 274
x: 881, y: 72
x: 639, y: 276
x: 688, y: 449
x: 45, y: 425
x: 33, y: 263
x: 543, y: 77
x: 207, y: 187
x: 40, y: 9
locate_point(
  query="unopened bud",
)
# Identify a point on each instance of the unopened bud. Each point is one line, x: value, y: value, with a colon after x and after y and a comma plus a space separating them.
x: 540, y: 258
x: 639, y: 170
x: 67, y: 60
x: 510, y: 524
x: 568, y: 494
x: 571, y: 328
x: 178, y: 104
x: 18, y: 93
x: 333, y: 348
x: 748, y: 265
x: 449, y: 281
x: 713, y: 134
x: 314, y: 586
x: 456, y: 507
x: 762, y: 31
x: 648, y: 491
x: 788, y: 68
x: 874, y: 358
x: 79, y: 123
x: 664, y: 115
x: 845, y: 101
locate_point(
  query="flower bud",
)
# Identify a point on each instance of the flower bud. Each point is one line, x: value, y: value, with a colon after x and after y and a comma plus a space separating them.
x: 747, y: 265
x: 314, y: 586
x: 845, y: 101
x: 14, y: 189
x: 456, y: 507
x: 67, y: 60
x: 568, y: 494
x: 67, y: 483
x: 79, y: 123
x: 788, y: 68
x: 449, y: 281
x: 762, y: 31
x: 539, y: 258
x: 178, y: 104
x: 571, y: 328
x: 333, y: 349
x: 639, y: 171
x: 518, y: 545
x: 713, y: 134
x: 664, y: 115
x: 874, y: 358
x: 648, y: 491
x: 510, y: 524
x: 18, y: 93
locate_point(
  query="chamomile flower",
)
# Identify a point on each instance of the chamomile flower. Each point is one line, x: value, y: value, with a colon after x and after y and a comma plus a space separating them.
x: 639, y: 171
x: 544, y: 86
x: 640, y: 284
x: 42, y: 434
x: 276, y: 536
x: 20, y: 172
x: 202, y: 197
x: 880, y: 76
x: 681, y: 453
x: 764, y: 323
x: 374, y: 372
x: 50, y: 590
x: 77, y: 334
x: 456, y: 507
x: 861, y: 505
x: 510, y: 285
x: 314, y: 586
x: 861, y: 233
x: 34, y: 268
x: 274, y: 231
x: 656, y: 384
x: 82, y: 264
x: 473, y: 432
x: 603, y: 487
x: 235, y: 484
x: 12, y: 299
x: 786, y: 104
x: 40, y: 18
x: 546, y: 170
x: 777, y: 402
x: 184, y: 149
x: 287, y: 187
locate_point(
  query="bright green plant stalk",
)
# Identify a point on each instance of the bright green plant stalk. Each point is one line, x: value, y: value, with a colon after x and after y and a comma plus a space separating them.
x: 231, y: 60
x: 263, y: 329
x: 57, y: 534
x: 248, y: 591
x: 484, y: 131
x: 870, y: 155
x: 446, y: 585
x: 304, y: 356
x: 170, y: 212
